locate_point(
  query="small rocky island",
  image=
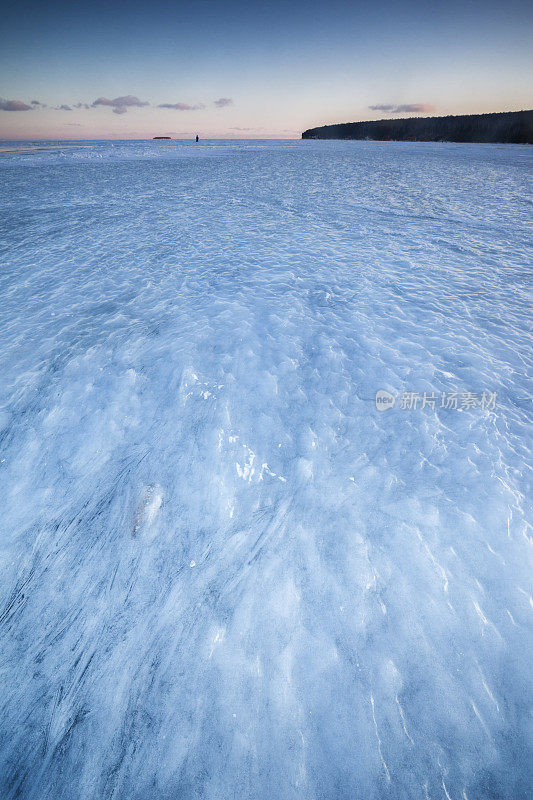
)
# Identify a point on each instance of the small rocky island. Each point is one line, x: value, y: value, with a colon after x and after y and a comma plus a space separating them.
x: 161, y: 137
x: 508, y: 127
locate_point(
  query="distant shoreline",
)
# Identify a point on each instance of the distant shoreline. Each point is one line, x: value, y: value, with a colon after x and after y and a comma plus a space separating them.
x: 507, y: 127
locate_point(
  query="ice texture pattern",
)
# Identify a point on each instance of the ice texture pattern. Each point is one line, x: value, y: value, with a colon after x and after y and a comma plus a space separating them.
x: 224, y: 572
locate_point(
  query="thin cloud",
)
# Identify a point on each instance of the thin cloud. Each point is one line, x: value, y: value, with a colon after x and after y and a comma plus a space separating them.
x: 182, y: 106
x: 63, y: 108
x: 269, y: 130
x: 81, y: 105
x: 407, y: 108
x: 223, y: 102
x: 14, y: 105
x: 121, y: 104
x: 414, y: 108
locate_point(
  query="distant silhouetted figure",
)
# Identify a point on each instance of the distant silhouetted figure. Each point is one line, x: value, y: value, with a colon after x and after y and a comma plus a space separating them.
x: 196, y: 137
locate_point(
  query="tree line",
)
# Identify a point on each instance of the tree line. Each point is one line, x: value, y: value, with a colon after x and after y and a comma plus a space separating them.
x: 512, y: 127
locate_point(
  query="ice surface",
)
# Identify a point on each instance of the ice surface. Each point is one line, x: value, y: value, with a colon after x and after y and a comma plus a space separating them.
x: 224, y: 573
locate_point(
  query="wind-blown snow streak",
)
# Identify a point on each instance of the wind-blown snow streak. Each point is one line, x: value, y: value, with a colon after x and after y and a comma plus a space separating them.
x: 224, y: 573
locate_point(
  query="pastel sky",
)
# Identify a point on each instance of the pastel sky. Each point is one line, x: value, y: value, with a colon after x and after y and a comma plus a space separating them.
x: 119, y: 69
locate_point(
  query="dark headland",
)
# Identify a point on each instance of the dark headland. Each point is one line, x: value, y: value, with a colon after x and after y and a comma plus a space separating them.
x: 508, y: 127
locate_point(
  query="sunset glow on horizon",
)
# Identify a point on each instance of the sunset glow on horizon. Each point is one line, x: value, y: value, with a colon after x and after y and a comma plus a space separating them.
x: 246, y: 70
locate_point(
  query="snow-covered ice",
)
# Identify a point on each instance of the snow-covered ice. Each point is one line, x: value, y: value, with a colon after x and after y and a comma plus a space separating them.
x: 224, y: 572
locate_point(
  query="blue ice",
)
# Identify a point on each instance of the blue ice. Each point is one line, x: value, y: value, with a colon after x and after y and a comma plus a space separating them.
x: 224, y: 572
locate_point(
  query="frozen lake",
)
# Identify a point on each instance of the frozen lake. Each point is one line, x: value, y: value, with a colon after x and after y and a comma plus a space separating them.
x: 225, y: 573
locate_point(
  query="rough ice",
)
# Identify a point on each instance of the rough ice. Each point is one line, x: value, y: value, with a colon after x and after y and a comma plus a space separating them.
x: 224, y: 572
